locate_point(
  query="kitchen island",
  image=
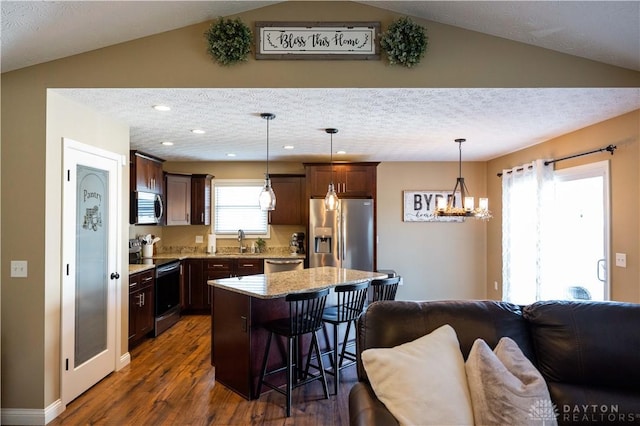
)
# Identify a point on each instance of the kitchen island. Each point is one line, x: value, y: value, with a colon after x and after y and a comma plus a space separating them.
x: 242, y: 304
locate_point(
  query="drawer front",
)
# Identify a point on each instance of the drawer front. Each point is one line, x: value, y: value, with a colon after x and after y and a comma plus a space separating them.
x: 146, y: 278
x: 141, y: 280
x: 218, y: 265
x: 250, y: 266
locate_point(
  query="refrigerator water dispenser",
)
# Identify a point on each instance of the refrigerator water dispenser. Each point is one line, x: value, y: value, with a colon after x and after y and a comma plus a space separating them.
x: 322, y: 243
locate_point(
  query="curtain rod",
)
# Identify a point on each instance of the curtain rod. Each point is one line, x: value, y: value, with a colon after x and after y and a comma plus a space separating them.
x: 609, y: 148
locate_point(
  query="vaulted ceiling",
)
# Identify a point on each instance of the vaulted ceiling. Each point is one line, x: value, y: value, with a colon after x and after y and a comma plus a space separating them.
x: 393, y: 125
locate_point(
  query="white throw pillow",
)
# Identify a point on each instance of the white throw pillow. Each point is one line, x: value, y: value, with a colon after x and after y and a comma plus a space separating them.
x: 422, y: 382
x: 506, y: 388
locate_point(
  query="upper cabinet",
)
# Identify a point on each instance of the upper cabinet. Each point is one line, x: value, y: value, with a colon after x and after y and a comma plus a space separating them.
x: 353, y: 180
x: 178, y: 199
x: 201, y: 199
x: 188, y: 199
x: 146, y: 173
x: 289, y: 190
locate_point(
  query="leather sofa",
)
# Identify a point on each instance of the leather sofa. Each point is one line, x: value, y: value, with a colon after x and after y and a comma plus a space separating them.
x: 587, y: 352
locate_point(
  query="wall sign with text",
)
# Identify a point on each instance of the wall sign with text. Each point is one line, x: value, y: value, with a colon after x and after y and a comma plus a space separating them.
x: 317, y: 40
x: 420, y: 206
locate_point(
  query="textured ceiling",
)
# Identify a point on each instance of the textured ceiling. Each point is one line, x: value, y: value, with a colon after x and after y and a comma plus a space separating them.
x: 373, y: 124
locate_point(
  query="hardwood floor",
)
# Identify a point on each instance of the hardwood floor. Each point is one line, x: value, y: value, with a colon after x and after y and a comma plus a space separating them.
x: 170, y: 381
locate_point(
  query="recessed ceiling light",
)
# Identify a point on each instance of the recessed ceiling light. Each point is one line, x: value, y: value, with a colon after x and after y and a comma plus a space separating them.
x: 162, y: 108
x: 198, y: 131
x: 231, y: 154
x: 288, y: 147
x: 167, y: 143
x: 341, y: 152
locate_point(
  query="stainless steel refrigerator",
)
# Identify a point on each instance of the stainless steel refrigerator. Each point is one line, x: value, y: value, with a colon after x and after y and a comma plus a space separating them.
x: 344, y: 237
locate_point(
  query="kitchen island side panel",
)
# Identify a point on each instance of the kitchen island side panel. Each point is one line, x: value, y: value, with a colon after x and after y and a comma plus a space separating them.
x: 238, y: 339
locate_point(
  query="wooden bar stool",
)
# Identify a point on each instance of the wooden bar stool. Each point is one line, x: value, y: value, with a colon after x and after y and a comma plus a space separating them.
x: 351, y: 299
x: 305, y: 317
x: 384, y: 289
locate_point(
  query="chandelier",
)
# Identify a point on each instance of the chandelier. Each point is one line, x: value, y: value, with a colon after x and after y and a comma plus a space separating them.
x: 447, y: 208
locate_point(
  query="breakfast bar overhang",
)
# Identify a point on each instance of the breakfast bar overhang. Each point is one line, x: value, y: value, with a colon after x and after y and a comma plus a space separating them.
x: 242, y: 304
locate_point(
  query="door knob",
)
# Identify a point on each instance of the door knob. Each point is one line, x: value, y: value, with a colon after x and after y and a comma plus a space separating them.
x: 115, y: 275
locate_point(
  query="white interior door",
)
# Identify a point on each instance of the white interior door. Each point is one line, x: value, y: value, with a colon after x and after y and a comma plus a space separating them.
x: 580, y: 247
x: 91, y: 276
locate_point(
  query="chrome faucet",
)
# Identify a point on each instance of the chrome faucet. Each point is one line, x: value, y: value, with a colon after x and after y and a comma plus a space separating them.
x: 241, y: 239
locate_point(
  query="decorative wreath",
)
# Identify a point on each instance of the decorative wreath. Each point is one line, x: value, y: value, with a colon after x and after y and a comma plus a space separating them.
x: 229, y: 41
x: 405, y: 42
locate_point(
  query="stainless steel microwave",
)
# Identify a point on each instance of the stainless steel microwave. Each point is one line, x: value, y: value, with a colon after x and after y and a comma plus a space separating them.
x: 146, y: 208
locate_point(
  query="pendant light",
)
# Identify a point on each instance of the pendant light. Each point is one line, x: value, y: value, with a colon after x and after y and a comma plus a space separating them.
x: 267, y: 196
x: 446, y: 207
x: 331, y: 199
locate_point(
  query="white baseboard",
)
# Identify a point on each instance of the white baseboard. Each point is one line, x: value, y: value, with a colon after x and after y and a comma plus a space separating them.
x: 125, y: 360
x: 31, y: 416
x: 35, y: 416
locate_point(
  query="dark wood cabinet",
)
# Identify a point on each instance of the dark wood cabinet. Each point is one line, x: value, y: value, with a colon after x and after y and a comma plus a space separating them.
x: 246, y: 267
x: 289, y: 190
x: 197, y: 295
x: 141, y: 319
x: 178, y: 205
x: 194, y: 299
x: 354, y: 180
x: 201, y: 199
x: 146, y: 173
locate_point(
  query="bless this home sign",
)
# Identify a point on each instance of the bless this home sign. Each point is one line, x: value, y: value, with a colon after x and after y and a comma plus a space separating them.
x: 317, y: 40
x: 420, y: 206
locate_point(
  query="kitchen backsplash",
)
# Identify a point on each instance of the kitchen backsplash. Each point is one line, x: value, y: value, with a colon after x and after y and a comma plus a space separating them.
x: 181, y: 239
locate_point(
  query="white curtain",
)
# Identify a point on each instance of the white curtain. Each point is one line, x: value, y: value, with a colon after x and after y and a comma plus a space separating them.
x: 526, y: 191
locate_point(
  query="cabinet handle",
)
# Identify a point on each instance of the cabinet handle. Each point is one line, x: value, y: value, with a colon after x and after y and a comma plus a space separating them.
x: 202, y: 217
x: 215, y: 265
x: 248, y: 265
x: 147, y: 279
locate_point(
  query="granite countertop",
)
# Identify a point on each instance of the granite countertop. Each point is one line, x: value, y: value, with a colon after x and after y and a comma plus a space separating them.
x: 134, y: 269
x: 283, y: 257
x: 183, y: 256
x: 279, y: 284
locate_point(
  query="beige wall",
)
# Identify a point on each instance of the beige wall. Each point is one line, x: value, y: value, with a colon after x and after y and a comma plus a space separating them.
x: 68, y: 119
x: 624, y: 132
x: 436, y: 260
x: 456, y: 58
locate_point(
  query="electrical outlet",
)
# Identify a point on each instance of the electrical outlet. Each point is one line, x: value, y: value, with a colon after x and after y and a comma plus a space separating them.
x: 19, y: 268
x: 621, y: 260
x: 199, y: 239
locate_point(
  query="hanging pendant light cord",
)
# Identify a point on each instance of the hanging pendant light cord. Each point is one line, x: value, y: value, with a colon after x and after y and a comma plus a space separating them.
x: 267, y: 149
x: 459, y: 157
x: 331, y: 158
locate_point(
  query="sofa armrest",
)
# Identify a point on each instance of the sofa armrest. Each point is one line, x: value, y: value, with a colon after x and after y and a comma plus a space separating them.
x: 366, y: 409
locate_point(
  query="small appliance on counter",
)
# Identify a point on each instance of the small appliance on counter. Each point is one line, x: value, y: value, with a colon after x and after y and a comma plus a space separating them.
x: 297, y: 243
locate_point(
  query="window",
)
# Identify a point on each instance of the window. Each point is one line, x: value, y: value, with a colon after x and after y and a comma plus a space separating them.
x: 236, y: 207
x: 555, y: 233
